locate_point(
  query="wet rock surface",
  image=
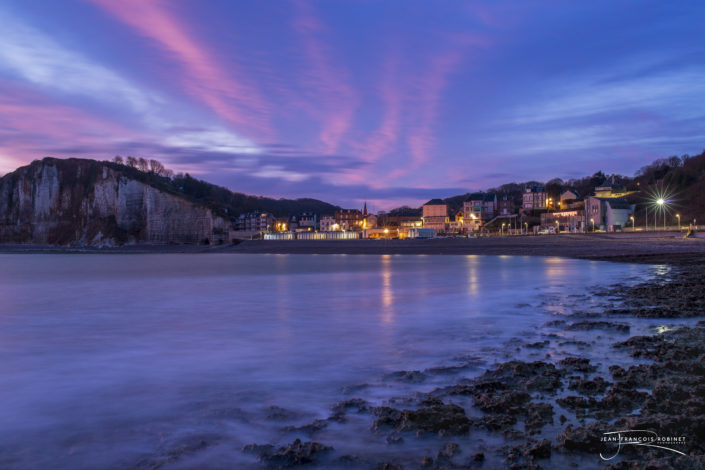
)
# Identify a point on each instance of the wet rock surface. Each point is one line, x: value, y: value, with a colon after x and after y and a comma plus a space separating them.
x: 442, y: 419
x: 551, y: 411
x: 295, y: 454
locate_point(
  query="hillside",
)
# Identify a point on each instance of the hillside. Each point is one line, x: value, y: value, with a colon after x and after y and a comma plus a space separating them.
x: 680, y: 180
x: 81, y: 201
x: 219, y: 199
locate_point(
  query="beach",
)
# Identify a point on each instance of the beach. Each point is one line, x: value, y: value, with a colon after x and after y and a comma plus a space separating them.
x: 630, y: 247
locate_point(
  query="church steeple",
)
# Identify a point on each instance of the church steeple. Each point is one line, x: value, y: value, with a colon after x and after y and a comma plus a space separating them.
x: 364, y: 211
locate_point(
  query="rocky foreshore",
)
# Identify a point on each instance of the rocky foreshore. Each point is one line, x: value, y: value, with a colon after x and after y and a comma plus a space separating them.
x: 558, y: 410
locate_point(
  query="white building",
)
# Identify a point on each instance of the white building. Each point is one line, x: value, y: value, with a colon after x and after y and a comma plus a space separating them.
x: 327, y: 224
x: 534, y: 198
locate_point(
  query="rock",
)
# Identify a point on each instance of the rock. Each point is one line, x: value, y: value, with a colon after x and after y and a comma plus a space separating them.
x: 540, y: 449
x: 389, y: 466
x: 446, y: 370
x: 394, y: 439
x: 526, y: 376
x: 494, y: 422
x: 572, y: 342
x: 506, y: 401
x: 583, y: 439
x: 357, y: 404
x: 77, y: 201
x: 296, y: 453
x: 601, y: 325
x: 589, y: 387
x: 441, y: 419
x: 277, y: 413
x: 171, y: 452
x: 449, y: 450
x: 310, y: 428
x: 410, y: 376
x: 538, y: 344
x: 537, y: 416
x: 577, y: 364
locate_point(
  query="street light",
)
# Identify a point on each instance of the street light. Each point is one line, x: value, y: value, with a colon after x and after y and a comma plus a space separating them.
x: 503, y: 229
x: 593, y: 224
x: 661, y: 202
x: 558, y: 227
x: 631, y: 217
x: 678, y: 216
x: 527, y: 227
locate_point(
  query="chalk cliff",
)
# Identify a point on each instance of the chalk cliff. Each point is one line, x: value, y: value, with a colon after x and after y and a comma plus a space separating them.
x: 77, y: 201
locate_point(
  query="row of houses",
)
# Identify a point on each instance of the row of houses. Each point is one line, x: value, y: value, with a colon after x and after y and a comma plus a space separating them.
x: 606, y: 209
x: 342, y: 220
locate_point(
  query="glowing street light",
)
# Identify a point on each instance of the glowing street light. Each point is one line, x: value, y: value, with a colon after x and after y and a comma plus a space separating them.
x: 678, y: 216
x: 631, y: 217
x: 558, y: 227
x: 527, y: 227
x: 661, y: 202
x: 503, y: 228
x: 593, y: 224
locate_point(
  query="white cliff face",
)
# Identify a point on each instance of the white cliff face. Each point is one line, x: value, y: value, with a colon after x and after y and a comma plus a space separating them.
x: 86, y: 202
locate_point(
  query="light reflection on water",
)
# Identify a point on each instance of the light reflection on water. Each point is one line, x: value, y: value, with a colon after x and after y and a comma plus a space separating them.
x: 103, y: 357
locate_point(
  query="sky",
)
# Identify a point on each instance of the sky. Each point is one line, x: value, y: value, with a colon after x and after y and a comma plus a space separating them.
x: 392, y: 102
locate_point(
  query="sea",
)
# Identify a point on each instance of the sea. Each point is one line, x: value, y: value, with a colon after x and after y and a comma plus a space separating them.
x: 181, y: 360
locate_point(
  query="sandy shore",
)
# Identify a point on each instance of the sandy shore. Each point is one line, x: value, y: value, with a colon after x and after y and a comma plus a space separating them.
x: 597, y: 246
x: 668, y: 247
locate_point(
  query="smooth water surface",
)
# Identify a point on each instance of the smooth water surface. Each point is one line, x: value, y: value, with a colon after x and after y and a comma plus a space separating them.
x: 110, y: 361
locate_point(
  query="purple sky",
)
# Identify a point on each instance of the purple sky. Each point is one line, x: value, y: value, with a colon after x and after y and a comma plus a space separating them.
x: 393, y: 102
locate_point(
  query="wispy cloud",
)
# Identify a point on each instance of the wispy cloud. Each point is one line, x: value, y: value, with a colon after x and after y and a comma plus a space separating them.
x: 334, y: 99
x: 36, y: 58
x: 228, y: 93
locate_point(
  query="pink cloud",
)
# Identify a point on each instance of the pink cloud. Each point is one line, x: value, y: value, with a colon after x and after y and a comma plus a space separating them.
x: 383, y: 140
x: 430, y: 89
x: 228, y: 94
x: 34, y: 126
x: 334, y: 100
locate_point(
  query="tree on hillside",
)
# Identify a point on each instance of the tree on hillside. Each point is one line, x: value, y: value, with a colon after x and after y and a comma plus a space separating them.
x: 118, y: 160
x: 131, y: 162
x: 156, y: 167
x: 554, y: 188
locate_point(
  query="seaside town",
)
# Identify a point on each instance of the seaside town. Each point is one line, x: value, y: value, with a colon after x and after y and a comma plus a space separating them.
x: 608, y: 208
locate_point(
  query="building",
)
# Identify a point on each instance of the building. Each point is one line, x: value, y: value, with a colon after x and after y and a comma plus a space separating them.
x: 567, y: 198
x: 328, y: 224
x: 421, y: 233
x: 610, y: 188
x: 308, y: 221
x: 349, y: 219
x: 371, y: 221
x: 380, y: 233
x: 479, y: 208
x: 608, y: 210
x: 435, y: 215
x: 505, y: 205
x: 455, y: 224
x: 564, y: 221
x: 312, y: 236
x: 256, y: 222
x: 386, y: 220
x: 534, y: 198
x: 281, y: 224
x: 607, y: 213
